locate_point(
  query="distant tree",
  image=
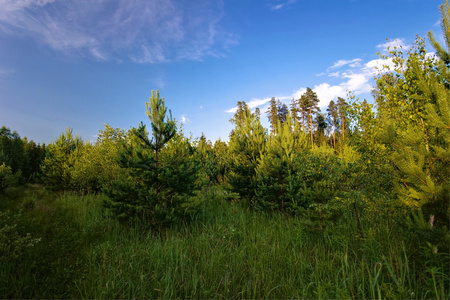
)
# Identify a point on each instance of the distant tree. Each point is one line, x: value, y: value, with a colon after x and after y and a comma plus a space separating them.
x: 321, y: 127
x: 12, y: 153
x: 342, y: 108
x: 295, y: 109
x: 258, y: 113
x: 310, y: 103
x: 36, y: 155
x: 272, y: 114
x: 241, y: 110
x: 333, y: 115
x: 282, y: 111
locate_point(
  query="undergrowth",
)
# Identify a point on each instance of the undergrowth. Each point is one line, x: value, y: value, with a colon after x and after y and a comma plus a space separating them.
x: 67, y: 247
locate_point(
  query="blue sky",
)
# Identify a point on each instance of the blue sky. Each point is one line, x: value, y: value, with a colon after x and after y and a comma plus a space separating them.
x: 86, y: 63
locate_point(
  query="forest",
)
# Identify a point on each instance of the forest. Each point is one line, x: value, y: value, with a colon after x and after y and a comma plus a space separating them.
x: 350, y: 201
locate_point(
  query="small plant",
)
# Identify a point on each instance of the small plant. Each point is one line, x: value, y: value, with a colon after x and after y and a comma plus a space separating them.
x: 13, y: 242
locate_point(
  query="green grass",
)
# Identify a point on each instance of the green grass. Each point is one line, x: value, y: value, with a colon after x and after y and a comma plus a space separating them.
x: 227, y: 251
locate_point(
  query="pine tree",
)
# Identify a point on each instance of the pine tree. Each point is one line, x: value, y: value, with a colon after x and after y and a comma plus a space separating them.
x: 445, y: 23
x: 247, y: 143
x: 342, y: 112
x: 276, y: 173
x: 161, y: 172
x: 282, y: 111
x: 320, y: 120
x: 303, y: 104
x: 333, y: 115
x: 295, y: 109
x: 310, y: 102
x: 272, y: 114
x: 420, y: 142
x: 240, y: 113
x: 60, y: 159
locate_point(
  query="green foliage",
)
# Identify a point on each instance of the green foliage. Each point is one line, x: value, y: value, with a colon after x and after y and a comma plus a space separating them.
x: 161, y: 173
x: 219, y: 163
x: 98, y: 164
x: 13, y: 241
x: 232, y: 253
x: 13, y: 154
x: 247, y: 143
x: 419, y: 140
x: 61, y: 157
x: 35, y: 154
x: 7, y: 179
x: 277, y: 185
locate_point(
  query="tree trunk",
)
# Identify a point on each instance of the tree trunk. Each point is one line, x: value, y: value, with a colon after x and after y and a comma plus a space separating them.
x: 334, y: 137
x: 310, y: 119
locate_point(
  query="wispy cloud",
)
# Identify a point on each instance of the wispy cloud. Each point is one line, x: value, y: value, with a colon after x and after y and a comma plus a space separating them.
x: 279, y: 4
x: 257, y: 102
x: 184, y: 119
x: 141, y: 31
x: 342, y: 62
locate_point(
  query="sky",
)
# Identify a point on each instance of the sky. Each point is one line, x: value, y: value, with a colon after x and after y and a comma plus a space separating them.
x: 85, y: 64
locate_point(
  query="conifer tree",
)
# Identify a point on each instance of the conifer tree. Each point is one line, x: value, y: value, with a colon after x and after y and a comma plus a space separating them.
x: 445, y: 24
x: 303, y: 106
x: 60, y: 159
x: 161, y: 172
x: 342, y: 106
x: 333, y: 115
x: 247, y: 143
x: 276, y: 173
x: 272, y: 114
x: 282, y: 111
x: 221, y: 161
x: 419, y: 137
x: 294, y: 110
x: 310, y: 102
x: 240, y: 113
x: 258, y: 113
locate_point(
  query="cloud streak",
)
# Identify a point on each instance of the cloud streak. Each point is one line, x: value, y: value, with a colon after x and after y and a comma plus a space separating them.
x: 279, y: 4
x: 155, y: 31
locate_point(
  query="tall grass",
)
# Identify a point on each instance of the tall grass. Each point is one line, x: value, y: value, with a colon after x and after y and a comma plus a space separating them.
x: 225, y: 252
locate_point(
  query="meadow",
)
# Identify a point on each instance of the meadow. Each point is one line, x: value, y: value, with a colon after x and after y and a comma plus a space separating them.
x: 63, y: 245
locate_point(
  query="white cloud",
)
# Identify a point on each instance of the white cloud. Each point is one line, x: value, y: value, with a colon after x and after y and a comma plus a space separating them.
x: 184, y: 119
x: 342, y: 62
x: 379, y: 65
x: 335, y: 74
x: 279, y: 4
x: 143, y: 31
x: 257, y: 102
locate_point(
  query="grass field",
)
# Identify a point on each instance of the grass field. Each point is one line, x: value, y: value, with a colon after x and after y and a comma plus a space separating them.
x: 65, y: 246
